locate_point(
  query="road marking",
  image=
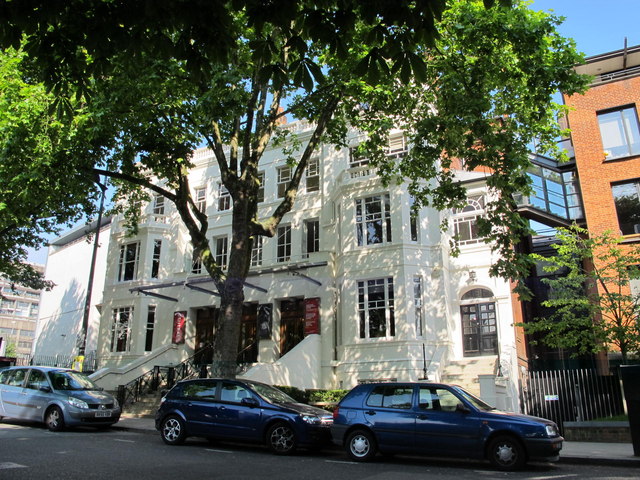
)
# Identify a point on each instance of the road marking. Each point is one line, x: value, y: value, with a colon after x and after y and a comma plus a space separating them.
x: 343, y: 461
x: 217, y: 451
x: 569, y: 475
x: 125, y: 441
x: 8, y: 465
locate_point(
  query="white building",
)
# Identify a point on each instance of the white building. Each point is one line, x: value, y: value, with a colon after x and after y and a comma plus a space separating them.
x: 62, y: 308
x: 391, y: 301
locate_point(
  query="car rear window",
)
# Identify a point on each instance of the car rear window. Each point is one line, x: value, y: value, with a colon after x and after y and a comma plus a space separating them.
x: 390, y: 397
x: 200, y: 390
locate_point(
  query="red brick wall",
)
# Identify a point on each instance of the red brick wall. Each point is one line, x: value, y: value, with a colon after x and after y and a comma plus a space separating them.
x: 596, y: 174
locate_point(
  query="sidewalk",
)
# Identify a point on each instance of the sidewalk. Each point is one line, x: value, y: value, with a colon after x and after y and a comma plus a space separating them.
x: 613, y: 454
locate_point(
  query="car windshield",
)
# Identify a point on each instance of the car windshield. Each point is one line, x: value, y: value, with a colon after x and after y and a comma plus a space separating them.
x: 475, y: 401
x: 71, y: 381
x: 271, y: 394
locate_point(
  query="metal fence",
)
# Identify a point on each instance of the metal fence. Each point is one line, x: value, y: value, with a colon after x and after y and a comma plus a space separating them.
x: 89, y: 365
x: 572, y: 395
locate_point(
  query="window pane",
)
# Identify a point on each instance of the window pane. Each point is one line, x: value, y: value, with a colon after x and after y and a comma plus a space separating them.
x: 619, y: 132
x: 627, y: 199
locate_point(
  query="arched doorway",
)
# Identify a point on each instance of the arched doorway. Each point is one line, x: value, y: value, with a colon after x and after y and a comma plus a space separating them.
x: 479, y: 323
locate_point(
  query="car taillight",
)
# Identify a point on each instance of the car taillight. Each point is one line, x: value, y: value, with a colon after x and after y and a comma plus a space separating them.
x: 336, y: 412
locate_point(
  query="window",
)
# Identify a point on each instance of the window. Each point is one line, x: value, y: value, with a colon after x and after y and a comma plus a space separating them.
x: 479, y: 323
x: 284, y: 177
x: 196, y: 263
x: 313, y: 175
x: 158, y: 205
x: 224, y: 198
x: 234, y: 393
x: 261, y: 187
x: 256, y: 251
x: 121, y: 329
x: 373, y: 220
x: 414, y: 221
x: 620, y: 132
x: 128, y: 263
x: 37, y: 380
x: 356, y: 158
x: 397, y: 146
x: 627, y: 199
x: 284, y: 244
x: 418, y: 305
x: 201, y: 199
x: 155, y: 260
x: 391, y: 397
x: 151, y: 322
x: 222, y: 251
x: 311, y: 242
x: 433, y: 398
x: 375, y: 308
x: 466, y: 221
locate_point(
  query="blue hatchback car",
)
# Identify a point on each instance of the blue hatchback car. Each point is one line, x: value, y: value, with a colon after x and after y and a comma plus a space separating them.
x: 441, y: 420
x: 241, y: 410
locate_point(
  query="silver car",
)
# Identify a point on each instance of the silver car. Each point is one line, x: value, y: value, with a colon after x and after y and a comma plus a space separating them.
x: 58, y: 397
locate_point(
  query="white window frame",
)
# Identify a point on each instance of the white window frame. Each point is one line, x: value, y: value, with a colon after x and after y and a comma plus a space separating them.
x: 312, y: 175
x: 283, y: 247
x: 285, y: 174
x: 364, y: 219
x: 221, y: 250
x: 121, y: 330
x: 367, y: 306
x: 155, y: 258
x: 124, y: 261
x: 261, y: 177
x: 200, y: 198
x: 310, y: 237
x: 158, y: 204
x: 465, y: 220
x: 224, y: 198
x: 256, y: 251
x: 418, y: 304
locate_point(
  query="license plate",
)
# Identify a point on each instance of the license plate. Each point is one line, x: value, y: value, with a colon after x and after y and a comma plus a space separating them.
x: 103, y: 413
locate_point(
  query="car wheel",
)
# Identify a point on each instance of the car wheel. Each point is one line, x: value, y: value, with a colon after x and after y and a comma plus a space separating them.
x: 172, y: 430
x: 506, y: 453
x: 281, y: 439
x: 361, y: 446
x: 54, y: 419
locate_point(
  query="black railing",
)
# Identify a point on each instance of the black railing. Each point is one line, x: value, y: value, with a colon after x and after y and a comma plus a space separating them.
x: 89, y: 364
x: 159, y: 376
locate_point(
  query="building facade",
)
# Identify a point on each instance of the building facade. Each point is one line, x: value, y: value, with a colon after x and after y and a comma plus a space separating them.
x: 19, y: 307
x: 62, y: 309
x: 354, y: 287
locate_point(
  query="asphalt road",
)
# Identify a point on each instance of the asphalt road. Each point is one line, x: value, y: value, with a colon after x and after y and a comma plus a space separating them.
x: 31, y: 452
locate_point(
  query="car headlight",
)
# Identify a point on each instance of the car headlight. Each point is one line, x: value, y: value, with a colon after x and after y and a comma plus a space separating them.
x: 552, y: 430
x: 311, y: 419
x: 76, y: 402
x: 115, y: 403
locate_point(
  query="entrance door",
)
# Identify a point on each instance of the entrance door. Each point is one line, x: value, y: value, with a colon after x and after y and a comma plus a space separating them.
x: 291, y: 324
x: 479, y: 329
x: 205, y: 323
x: 248, y: 342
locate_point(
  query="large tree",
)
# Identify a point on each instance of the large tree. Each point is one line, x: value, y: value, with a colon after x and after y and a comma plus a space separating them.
x: 157, y: 79
x: 593, y: 306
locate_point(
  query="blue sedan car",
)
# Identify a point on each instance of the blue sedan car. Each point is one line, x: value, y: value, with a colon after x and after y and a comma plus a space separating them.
x: 435, y: 419
x: 241, y: 411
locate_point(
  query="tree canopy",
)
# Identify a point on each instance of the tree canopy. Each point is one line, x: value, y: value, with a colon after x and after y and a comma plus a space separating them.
x: 593, y: 305
x: 142, y: 84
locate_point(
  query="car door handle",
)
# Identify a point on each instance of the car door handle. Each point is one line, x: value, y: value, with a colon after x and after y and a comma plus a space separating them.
x: 370, y: 412
x: 422, y: 416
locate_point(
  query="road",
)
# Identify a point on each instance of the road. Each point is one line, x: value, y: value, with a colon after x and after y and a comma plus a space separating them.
x: 32, y: 452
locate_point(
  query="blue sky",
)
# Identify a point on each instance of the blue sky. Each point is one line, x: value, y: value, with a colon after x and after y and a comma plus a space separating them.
x: 597, y: 26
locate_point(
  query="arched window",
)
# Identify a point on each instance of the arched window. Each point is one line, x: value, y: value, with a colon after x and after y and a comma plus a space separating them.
x: 479, y: 324
x: 465, y: 220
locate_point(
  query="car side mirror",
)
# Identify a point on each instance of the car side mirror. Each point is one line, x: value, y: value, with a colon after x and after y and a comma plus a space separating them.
x: 250, y: 402
x: 45, y: 388
x: 462, y: 409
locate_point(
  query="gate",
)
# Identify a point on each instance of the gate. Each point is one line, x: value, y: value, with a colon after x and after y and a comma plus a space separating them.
x: 572, y: 395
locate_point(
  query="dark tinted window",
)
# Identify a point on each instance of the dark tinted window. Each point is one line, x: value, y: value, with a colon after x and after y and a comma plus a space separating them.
x: 37, y: 380
x: 232, y: 392
x: 15, y: 377
x: 199, y: 390
x: 391, y: 397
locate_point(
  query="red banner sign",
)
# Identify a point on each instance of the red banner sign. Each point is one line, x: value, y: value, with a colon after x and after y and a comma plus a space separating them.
x: 311, y: 316
x: 179, y: 327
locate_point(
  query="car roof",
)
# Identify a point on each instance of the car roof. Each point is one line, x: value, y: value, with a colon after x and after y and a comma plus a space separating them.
x: 44, y: 369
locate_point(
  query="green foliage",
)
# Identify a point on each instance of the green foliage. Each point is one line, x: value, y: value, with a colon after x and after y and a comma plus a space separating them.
x: 297, y: 394
x: 464, y: 79
x: 328, y: 396
x: 11, y: 350
x: 590, y: 296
